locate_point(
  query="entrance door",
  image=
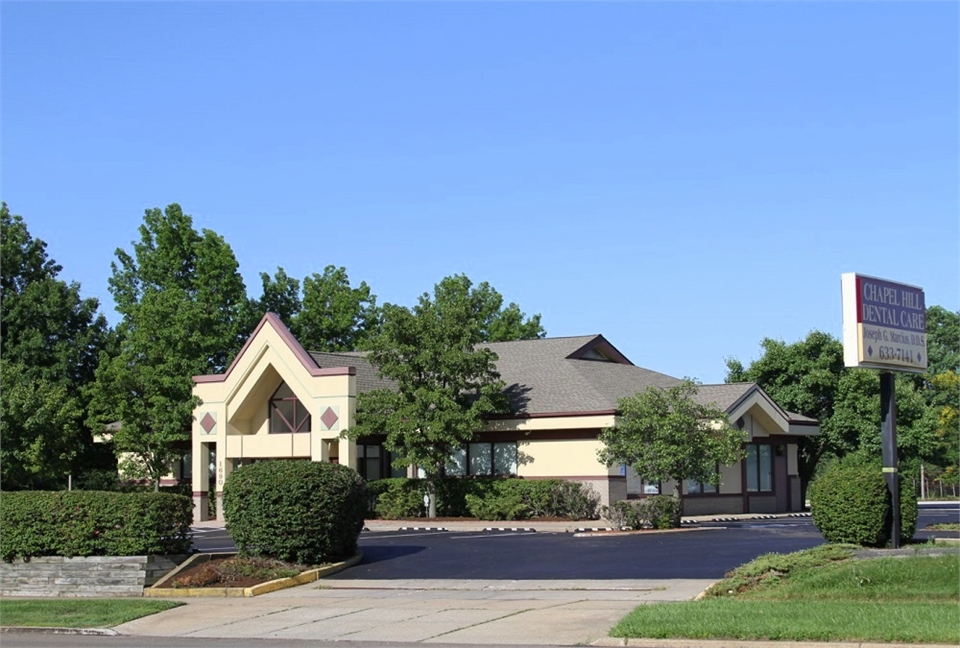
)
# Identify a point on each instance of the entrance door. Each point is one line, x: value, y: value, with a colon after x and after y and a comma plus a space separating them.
x: 781, y: 481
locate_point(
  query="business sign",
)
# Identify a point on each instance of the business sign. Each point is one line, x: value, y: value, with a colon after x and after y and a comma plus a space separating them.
x: 884, y: 324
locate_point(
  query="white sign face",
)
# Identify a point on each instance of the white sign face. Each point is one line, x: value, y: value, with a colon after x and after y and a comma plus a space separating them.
x: 884, y: 324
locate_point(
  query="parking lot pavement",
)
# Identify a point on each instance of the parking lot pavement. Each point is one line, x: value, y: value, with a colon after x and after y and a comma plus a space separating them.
x: 430, y: 611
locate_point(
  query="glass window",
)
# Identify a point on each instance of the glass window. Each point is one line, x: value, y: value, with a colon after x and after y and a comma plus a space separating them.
x: 457, y: 463
x: 369, y: 463
x: 505, y: 458
x: 695, y: 487
x: 287, y: 413
x: 480, y: 456
x: 759, y: 462
x: 651, y: 488
x: 487, y: 459
x: 766, y: 467
x: 186, y: 467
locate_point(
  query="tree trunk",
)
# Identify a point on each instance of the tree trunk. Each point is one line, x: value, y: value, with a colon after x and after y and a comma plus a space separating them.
x: 808, y: 455
x: 678, y: 493
x: 431, y: 499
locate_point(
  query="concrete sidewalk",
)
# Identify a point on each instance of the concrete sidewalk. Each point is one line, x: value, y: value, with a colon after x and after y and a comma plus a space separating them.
x: 421, y: 611
x: 549, y: 613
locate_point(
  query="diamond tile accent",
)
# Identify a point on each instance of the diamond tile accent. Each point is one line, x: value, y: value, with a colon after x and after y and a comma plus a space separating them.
x: 329, y: 418
x: 208, y: 422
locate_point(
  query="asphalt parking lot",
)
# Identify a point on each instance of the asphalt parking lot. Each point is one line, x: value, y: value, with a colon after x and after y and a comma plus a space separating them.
x: 702, y: 551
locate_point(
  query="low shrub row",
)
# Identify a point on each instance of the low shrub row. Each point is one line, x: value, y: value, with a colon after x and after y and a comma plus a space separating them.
x: 655, y: 511
x: 485, y: 498
x: 93, y: 523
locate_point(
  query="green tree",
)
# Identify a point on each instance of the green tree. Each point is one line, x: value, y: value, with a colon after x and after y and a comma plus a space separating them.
x: 943, y: 340
x: 334, y: 316
x: 809, y: 377
x: 446, y: 385
x: 803, y: 377
x: 503, y: 324
x: 280, y: 295
x: 185, y: 312
x: 664, y: 434
x: 49, y: 340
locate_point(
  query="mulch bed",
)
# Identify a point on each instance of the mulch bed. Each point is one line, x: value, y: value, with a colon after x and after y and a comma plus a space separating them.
x: 232, y: 572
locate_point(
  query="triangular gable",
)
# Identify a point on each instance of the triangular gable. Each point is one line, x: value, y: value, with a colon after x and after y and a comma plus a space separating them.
x: 270, y: 356
x: 757, y: 402
x: 274, y: 322
x: 599, y: 349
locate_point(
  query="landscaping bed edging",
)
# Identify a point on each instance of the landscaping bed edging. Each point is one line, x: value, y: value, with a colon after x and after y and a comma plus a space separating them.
x: 309, y: 576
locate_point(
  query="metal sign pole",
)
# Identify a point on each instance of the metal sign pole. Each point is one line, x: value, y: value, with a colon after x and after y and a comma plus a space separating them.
x: 888, y: 432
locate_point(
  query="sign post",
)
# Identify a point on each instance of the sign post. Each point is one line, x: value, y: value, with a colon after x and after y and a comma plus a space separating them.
x: 888, y: 437
x: 885, y: 327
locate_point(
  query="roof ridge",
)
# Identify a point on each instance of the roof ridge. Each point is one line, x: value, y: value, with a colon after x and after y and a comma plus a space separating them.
x: 544, y: 339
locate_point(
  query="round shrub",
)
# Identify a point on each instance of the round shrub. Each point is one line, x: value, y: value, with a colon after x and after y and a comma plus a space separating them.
x: 660, y: 511
x: 851, y: 504
x: 297, y: 511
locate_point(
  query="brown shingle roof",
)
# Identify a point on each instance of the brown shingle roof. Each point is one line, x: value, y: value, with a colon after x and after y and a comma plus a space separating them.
x: 368, y: 378
x: 542, y: 377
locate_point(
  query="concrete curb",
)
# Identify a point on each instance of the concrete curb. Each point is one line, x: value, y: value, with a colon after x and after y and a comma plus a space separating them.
x: 726, y: 643
x: 552, y: 526
x: 255, y: 590
x: 95, y: 632
x: 611, y: 533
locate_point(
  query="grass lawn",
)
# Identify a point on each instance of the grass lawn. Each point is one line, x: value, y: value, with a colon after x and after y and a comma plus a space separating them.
x: 78, y: 613
x: 945, y: 526
x: 821, y: 594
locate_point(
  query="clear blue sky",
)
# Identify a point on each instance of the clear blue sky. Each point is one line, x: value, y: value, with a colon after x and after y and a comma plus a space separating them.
x: 685, y: 178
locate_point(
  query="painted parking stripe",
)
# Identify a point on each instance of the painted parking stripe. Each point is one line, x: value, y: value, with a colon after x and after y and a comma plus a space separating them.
x: 380, y: 535
x: 484, y: 536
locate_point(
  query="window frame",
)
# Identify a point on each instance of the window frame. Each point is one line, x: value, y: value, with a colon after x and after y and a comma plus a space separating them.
x: 299, y: 425
x: 490, y: 454
x: 697, y: 487
x: 752, y: 465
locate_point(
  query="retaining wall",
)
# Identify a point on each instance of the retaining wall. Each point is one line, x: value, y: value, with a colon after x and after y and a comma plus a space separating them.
x: 93, y: 576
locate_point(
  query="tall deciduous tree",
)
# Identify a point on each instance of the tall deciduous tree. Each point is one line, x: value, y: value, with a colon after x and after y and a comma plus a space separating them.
x: 184, y: 305
x: 809, y: 377
x: 664, y: 434
x: 445, y: 384
x: 503, y: 324
x: 943, y: 340
x: 49, y: 340
x: 803, y: 377
x: 280, y: 295
x: 335, y: 316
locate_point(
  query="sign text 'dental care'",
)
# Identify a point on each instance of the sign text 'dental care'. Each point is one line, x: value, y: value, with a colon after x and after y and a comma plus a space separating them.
x: 884, y: 324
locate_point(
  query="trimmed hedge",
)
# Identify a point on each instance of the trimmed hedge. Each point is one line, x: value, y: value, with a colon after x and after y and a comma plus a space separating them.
x: 93, y: 523
x: 307, y: 512
x: 485, y: 498
x: 851, y: 504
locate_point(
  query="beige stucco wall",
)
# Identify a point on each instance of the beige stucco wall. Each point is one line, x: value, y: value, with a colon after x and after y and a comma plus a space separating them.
x: 238, y: 402
x: 561, y: 458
